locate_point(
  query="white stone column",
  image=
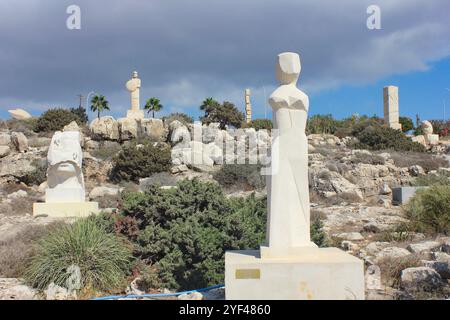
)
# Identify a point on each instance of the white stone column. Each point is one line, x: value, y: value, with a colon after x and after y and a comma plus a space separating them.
x: 391, y: 109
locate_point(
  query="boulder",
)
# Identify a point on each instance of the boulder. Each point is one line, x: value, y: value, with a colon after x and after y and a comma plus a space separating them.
x: 180, y: 134
x: 19, y: 114
x: 55, y: 292
x: 103, y: 191
x: 129, y: 128
x: 5, y: 139
x: 154, y: 129
x: 351, y: 236
x: 442, y: 268
x: 4, y: 151
x: 420, y: 278
x: 18, y: 194
x: 178, y: 169
x: 13, y: 289
x: 133, y: 288
x: 391, y: 253
x: 20, y: 141
x: 105, y: 128
x: 385, y: 189
x: 191, y: 296
x: 17, y: 165
x: 374, y: 247
x: 73, y: 126
x: 423, y: 246
x: 416, y: 170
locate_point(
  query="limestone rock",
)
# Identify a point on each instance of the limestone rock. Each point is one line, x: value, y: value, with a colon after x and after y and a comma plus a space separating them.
x: 191, y: 296
x: 423, y: 246
x: 416, y: 170
x: 5, y: 139
x: 19, y: 114
x: 103, y: 191
x: 128, y: 128
x: 442, y: 268
x: 104, y: 128
x: 17, y: 194
x: 180, y: 134
x: 420, y: 278
x: 178, y: 169
x: 17, y: 165
x: 20, y: 141
x: 385, y: 189
x: 133, y: 288
x: 374, y: 247
x: 4, y: 151
x: 373, y: 278
x: 391, y: 253
x: 351, y: 236
x: 13, y: 289
x: 73, y: 126
x: 55, y: 292
x: 154, y: 129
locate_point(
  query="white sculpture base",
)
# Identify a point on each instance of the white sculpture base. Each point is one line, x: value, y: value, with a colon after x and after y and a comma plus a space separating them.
x: 314, y: 274
x: 64, y: 195
x: 136, y: 114
x: 432, y: 139
x: 65, y: 210
x: 396, y: 126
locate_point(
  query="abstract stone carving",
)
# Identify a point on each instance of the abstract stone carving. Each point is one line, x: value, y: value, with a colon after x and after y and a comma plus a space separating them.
x: 290, y: 266
x: 133, y: 86
x: 65, y: 193
x: 64, y: 177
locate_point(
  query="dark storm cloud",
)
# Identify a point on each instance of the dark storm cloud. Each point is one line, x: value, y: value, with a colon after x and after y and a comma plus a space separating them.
x: 187, y: 50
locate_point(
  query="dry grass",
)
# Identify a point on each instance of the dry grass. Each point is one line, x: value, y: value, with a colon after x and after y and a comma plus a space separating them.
x: 16, y: 252
x: 391, y: 269
x: 426, y: 160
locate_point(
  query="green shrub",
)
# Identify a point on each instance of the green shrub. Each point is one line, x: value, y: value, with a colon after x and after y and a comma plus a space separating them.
x: 182, y: 233
x: 429, y: 210
x: 80, y: 112
x: 38, y: 175
x: 140, y: 161
x: 182, y: 117
x: 406, y: 123
x: 55, y: 119
x: 321, y: 124
x: 441, y: 178
x: 104, y: 259
x: 259, y: 124
x: 246, y: 176
x: 226, y: 114
x: 383, y: 138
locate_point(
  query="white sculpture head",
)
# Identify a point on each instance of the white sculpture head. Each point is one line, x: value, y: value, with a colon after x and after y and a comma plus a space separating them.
x: 135, y: 74
x: 65, y: 160
x: 427, y: 127
x: 288, y: 67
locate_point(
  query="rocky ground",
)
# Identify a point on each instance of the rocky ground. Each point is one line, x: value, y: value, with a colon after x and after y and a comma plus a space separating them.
x: 351, y: 190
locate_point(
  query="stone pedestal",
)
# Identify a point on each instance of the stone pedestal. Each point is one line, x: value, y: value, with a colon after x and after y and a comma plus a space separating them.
x: 314, y: 274
x: 391, y: 110
x: 432, y: 139
x: 135, y: 114
x: 65, y: 209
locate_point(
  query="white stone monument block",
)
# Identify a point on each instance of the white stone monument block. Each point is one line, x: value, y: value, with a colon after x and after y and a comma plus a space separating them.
x: 391, y: 109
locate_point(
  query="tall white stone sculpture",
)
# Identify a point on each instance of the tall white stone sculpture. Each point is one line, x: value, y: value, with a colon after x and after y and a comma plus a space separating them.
x: 391, y: 110
x: 65, y: 193
x: 289, y: 265
x: 248, y: 106
x: 133, y: 86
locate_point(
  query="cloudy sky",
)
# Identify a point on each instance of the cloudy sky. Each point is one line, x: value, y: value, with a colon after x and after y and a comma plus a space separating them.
x: 188, y: 50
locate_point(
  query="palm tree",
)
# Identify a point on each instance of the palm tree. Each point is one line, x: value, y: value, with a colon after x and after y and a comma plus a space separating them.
x: 153, y: 104
x: 208, y: 103
x: 99, y: 104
